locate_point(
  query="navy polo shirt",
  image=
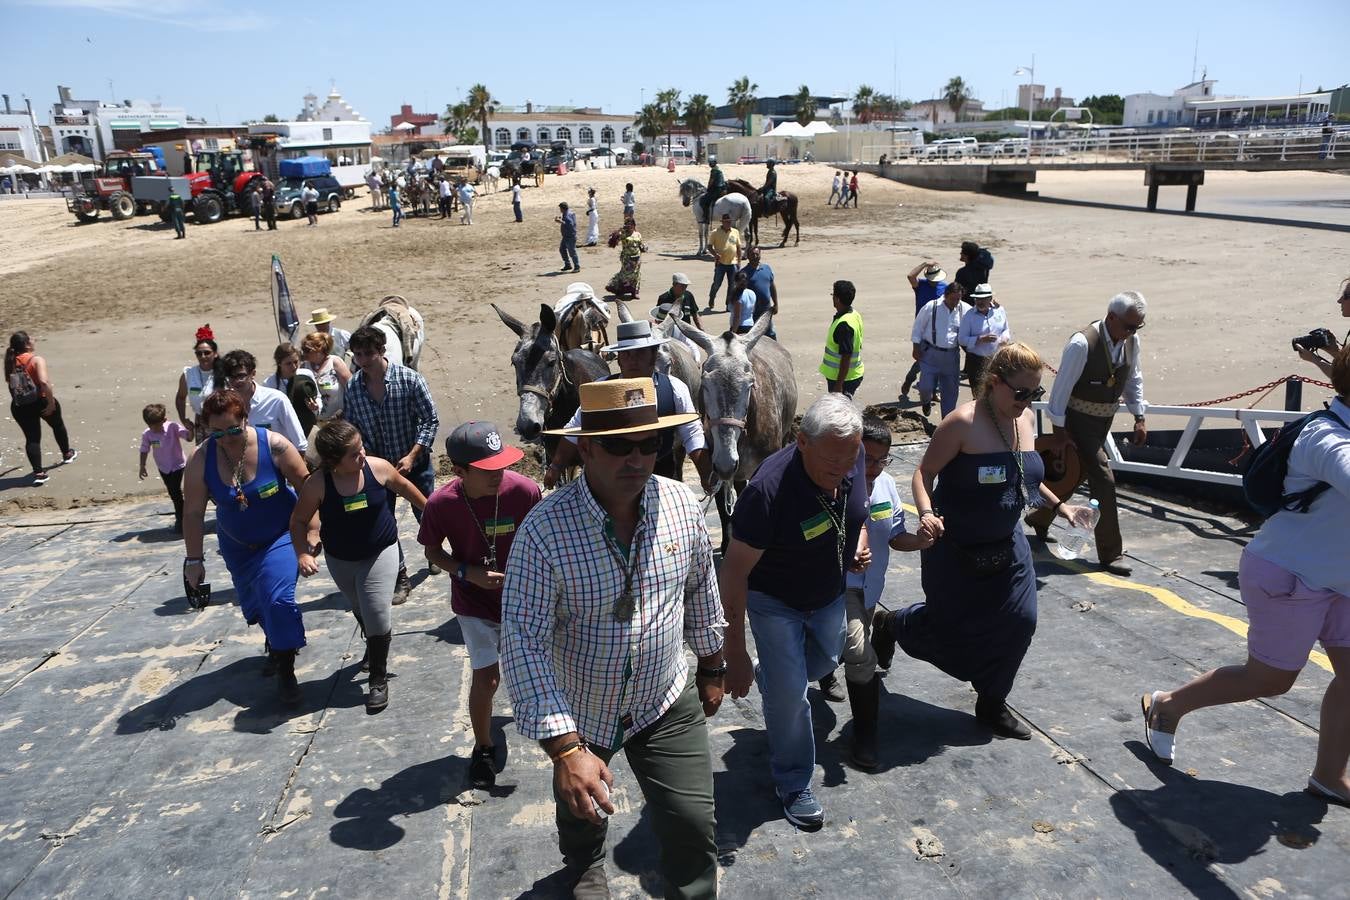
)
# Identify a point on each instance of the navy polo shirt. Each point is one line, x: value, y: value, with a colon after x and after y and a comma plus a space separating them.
x: 927, y: 290
x: 780, y: 513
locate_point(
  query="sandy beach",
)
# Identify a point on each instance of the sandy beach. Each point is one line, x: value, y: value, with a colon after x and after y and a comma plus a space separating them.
x: 113, y: 305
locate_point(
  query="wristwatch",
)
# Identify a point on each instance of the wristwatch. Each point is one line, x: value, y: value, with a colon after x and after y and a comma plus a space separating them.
x: 713, y: 673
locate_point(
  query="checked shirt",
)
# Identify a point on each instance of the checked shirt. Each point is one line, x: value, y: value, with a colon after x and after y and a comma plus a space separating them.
x: 570, y: 664
x: 406, y: 417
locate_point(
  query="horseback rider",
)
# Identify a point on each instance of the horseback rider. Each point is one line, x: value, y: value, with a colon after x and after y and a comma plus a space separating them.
x: 769, y: 192
x: 717, y: 186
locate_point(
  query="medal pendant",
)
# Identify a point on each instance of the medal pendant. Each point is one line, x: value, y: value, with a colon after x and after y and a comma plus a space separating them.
x: 623, y: 609
x: 1111, y: 382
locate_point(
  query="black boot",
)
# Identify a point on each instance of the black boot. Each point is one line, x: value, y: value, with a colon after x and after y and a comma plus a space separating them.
x: 883, y: 639
x: 829, y: 688
x: 288, y: 689
x: 365, y: 651
x: 995, y: 715
x: 269, y: 669
x: 865, y: 700
x: 377, y: 695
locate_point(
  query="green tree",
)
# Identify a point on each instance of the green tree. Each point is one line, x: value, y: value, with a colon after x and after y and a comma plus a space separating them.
x: 741, y: 97
x: 956, y: 93
x: 804, y: 106
x: 469, y: 135
x: 884, y: 106
x: 455, y: 118
x: 698, y: 117
x: 481, y: 107
x: 271, y: 117
x: 864, y: 104
x: 648, y: 123
x: 668, y: 112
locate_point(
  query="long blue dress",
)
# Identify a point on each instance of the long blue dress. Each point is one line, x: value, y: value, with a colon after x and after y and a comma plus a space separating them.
x: 255, y: 543
x: 976, y: 629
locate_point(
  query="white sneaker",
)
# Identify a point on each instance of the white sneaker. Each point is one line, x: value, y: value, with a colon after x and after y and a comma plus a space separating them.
x: 1161, y: 743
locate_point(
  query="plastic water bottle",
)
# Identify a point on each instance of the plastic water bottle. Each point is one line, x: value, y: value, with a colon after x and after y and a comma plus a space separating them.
x: 1076, y: 543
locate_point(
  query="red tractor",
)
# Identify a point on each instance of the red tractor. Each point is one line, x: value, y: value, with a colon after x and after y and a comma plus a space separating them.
x: 110, y: 189
x: 220, y: 185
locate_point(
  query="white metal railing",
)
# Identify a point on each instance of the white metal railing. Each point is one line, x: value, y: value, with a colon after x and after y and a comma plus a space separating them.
x: 1294, y: 144
x: 1249, y: 420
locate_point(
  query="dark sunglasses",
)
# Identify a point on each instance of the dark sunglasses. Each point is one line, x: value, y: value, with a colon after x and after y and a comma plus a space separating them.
x: 204, y: 352
x: 1023, y: 395
x: 621, y: 446
x: 1131, y: 329
x: 239, y: 376
x: 232, y: 431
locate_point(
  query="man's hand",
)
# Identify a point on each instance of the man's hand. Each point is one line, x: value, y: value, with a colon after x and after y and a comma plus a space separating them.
x: 987, y: 339
x: 579, y: 778
x: 483, y: 577
x: 710, y: 692
x: 308, y: 564
x: 917, y: 354
x: 194, y: 574
x: 405, y: 464
x: 142, y: 473
x: 740, y: 671
x: 1140, y: 432
x: 551, y: 475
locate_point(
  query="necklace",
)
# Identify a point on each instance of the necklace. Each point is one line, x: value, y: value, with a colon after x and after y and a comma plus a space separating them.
x: 837, y: 521
x: 1015, y: 448
x: 489, y: 539
x: 237, y: 478
x: 626, y: 605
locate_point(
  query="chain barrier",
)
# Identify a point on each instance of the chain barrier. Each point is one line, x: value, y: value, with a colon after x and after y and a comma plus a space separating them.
x: 1263, y: 390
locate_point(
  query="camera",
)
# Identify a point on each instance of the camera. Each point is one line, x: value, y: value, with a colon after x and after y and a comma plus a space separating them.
x: 1317, y: 339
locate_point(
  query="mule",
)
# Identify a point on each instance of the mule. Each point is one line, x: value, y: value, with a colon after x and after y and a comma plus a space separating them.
x: 734, y: 205
x: 582, y: 323
x: 403, y: 328
x: 786, y: 206
x: 491, y: 180
x: 748, y: 397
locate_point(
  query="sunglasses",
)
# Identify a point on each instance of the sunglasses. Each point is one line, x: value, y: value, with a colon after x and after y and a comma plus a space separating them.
x: 232, y: 431
x: 204, y: 352
x: 621, y: 446
x: 239, y: 376
x: 1023, y: 395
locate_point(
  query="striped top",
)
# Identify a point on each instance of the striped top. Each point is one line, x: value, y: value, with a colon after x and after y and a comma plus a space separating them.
x: 572, y: 665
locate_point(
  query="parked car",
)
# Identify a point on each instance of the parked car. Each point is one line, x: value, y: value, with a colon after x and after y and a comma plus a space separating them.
x: 288, y: 195
x: 1013, y: 147
x: 951, y: 148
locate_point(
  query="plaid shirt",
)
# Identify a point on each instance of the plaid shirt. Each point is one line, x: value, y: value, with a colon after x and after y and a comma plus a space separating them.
x: 570, y: 665
x: 406, y: 417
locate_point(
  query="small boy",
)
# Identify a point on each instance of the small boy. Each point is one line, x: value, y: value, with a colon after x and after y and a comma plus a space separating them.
x: 163, y: 439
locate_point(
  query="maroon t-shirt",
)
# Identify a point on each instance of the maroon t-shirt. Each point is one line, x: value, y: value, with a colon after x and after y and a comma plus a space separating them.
x: 447, y: 520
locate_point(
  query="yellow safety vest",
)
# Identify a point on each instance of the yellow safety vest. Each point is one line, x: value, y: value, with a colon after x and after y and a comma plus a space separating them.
x: 829, y: 366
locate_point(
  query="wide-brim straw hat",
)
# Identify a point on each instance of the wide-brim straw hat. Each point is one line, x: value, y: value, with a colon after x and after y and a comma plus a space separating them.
x: 1062, y: 470
x: 935, y: 274
x: 620, y: 406
x: 320, y: 316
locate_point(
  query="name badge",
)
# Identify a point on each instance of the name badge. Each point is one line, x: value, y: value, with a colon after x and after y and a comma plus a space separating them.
x: 194, y: 390
x: 268, y: 489
x: 815, y: 526
x: 154, y: 442
x: 993, y: 474
x: 881, y: 511
x: 499, y: 527
x: 355, y: 502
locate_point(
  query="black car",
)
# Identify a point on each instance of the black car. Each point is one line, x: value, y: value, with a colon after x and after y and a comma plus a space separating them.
x: 288, y: 195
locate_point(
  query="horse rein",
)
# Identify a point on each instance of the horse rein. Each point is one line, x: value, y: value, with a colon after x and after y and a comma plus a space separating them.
x: 558, y: 382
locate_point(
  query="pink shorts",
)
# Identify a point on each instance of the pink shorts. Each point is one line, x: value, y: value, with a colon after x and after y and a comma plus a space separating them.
x: 1287, y: 617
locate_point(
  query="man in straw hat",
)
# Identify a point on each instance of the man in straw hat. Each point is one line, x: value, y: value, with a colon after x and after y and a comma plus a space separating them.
x: 609, y: 577
x: 929, y: 282
x: 323, y: 320
x: 637, y: 351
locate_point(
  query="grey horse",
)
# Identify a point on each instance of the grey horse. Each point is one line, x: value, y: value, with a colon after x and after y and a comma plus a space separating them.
x: 546, y: 377
x: 748, y: 398
x: 734, y: 205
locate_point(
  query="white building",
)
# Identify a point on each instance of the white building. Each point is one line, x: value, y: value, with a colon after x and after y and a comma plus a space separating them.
x: 582, y: 128
x: 924, y: 111
x: 1196, y: 105
x: 346, y: 146
x: 334, y: 109
x: 94, y: 127
x: 19, y: 135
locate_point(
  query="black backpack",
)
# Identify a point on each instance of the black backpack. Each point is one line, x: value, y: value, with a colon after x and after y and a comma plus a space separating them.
x: 1263, y: 482
x: 985, y: 260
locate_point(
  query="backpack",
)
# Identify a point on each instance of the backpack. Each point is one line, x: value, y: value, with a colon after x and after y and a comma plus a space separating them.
x: 1263, y: 482
x: 21, y: 386
x: 985, y: 260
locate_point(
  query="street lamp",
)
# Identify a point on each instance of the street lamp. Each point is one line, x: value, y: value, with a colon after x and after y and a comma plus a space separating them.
x: 1030, y: 72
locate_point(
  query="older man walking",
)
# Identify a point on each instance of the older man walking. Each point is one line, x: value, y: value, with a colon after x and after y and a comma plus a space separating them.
x: 609, y: 578
x: 937, y: 348
x: 1100, y: 365
x: 797, y: 529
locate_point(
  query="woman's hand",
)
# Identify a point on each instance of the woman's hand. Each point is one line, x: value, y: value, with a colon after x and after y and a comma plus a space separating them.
x: 931, y: 526
x: 862, y: 559
x: 308, y: 564
x: 1078, y: 516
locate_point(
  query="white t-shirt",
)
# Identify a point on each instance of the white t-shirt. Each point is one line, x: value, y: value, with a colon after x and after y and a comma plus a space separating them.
x: 445, y: 189
x: 515, y: 193
x: 199, y: 385
x: 272, y: 409
x: 885, y: 520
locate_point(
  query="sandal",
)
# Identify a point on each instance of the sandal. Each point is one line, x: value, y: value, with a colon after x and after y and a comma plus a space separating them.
x: 1161, y: 743
x: 1322, y: 792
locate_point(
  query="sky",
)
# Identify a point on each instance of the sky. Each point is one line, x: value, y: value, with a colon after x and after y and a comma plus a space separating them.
x: 245, y: 59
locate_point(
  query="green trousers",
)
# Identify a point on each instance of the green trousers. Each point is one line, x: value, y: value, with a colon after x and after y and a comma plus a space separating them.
x: 673, y: 767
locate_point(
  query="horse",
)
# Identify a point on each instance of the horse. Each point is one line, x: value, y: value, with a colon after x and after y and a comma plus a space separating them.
x: 547, y: 376
x: 491, y: 180
x: 734, y: 205
x: 748, y: 397
x: 786, y: 207
x: 582, y: 320
x: 403, y: 329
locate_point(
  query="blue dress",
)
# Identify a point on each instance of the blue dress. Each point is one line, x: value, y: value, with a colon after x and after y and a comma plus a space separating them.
x: 977, y: 628
x: 255, y: 543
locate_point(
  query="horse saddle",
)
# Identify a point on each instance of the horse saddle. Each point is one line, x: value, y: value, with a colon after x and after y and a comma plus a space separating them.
x: 395, y: 308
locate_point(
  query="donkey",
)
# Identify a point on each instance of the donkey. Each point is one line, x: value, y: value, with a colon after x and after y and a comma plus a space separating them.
x: 785, y: 207
x: 748, y: 398
x: 674, y: 358
x: 546, y: 377
x: 734, y: 205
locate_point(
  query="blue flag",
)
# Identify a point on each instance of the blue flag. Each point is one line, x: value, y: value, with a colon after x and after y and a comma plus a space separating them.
x: 288, y: 323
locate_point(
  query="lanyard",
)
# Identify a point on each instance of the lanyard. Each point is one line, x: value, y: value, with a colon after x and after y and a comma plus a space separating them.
x: 489, y: 539
x: 837, y: 521
x: 624, y: 608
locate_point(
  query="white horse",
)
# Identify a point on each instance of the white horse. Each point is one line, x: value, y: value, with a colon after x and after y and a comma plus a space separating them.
x: 390, y: 318
x: 734, y: 205
x: 491, y: 180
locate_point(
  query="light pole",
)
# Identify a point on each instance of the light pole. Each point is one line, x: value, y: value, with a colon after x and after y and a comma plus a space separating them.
x: 1030, y: 72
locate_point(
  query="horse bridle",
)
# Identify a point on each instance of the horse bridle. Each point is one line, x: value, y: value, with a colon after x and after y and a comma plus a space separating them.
x: 558, y: 382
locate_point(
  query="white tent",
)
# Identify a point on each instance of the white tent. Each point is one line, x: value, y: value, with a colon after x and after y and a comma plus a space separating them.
x: 405, y: 126
x: 789, y: 129
x: 815, y: 128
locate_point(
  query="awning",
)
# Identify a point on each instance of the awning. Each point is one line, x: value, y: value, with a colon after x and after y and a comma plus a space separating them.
x: 123, y: 125
x: 165, y: 124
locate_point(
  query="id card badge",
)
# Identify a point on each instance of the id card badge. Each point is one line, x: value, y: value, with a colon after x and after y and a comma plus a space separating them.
x: 267, y: 490
x: 993, y: 474
x: 355, y: 502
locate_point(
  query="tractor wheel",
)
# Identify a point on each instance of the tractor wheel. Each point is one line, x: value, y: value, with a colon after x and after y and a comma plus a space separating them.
x: 122, y: 205
x: 88, y: 217
x: 334, y: 204
x: 165, y: 214
x: 208, y: 209
x: 297, y: 210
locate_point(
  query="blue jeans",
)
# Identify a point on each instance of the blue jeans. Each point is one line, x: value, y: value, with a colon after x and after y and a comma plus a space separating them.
x: 795, y: 648
x: 943, y: 369
x: 568, y: 247
x: 515, y: 208
x: 398, y: 214
x: 721, y: 271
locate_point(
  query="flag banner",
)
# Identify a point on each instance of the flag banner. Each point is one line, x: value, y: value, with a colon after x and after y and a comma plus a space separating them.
x: 288, y: 323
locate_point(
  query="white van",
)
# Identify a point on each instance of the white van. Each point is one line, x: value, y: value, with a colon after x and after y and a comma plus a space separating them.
x: 951, y: 148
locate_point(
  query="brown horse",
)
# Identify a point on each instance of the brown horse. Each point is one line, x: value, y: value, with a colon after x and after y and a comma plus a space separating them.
x: 786, y: 207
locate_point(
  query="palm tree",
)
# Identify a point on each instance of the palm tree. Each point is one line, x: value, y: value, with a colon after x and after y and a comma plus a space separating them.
x: 804, y: 106
x: 648, y: 122
x: 741, y: 97
x: 481, y: 106
x: 956, y: 93
x: 865, y: 104
x: 698, y: 116
x: 455, y: 117
x: 668, y: 111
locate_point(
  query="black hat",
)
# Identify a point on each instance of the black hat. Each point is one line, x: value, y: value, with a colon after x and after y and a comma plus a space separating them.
x: 479, y: 444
